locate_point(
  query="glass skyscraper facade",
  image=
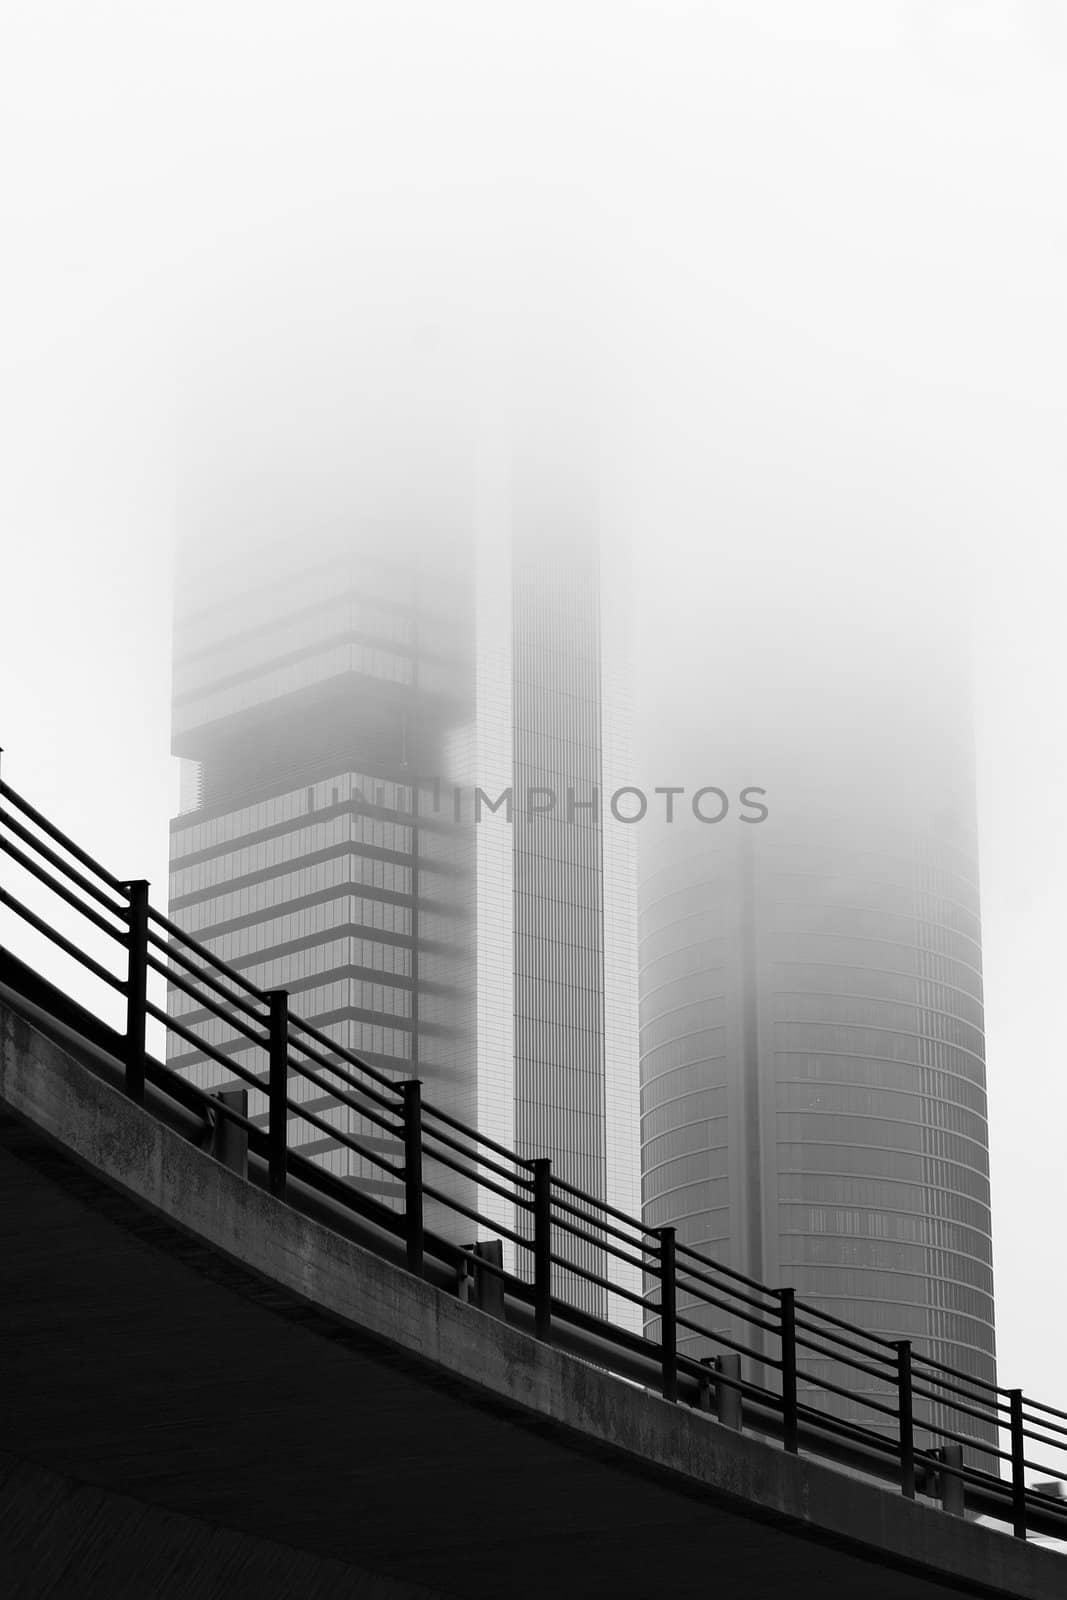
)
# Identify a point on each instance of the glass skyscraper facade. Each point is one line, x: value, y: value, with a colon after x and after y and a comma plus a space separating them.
x: 351, y: 703
x: 813, y: 1089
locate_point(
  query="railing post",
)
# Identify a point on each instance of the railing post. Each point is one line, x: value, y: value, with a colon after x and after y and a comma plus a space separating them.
x: 730, y: 1401
x: 412, y: 1093
x: 668, y: 1309
x: 1018, y: 1468
x: 727, y: 1398
x: 906, y: 1418
x: 542, y: 1246
x: 952, y: 1490
x: 790, y: 1429
x: 229, y: 1141
x: 278, y: 1091
x: 137, y: 988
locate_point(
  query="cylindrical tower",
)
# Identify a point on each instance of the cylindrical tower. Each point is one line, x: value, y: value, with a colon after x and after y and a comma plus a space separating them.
x: 812, y: 1047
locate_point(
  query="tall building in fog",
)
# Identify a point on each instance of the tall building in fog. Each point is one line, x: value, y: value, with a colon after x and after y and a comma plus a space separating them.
x: 376, y: 683
x: 813, y: 1086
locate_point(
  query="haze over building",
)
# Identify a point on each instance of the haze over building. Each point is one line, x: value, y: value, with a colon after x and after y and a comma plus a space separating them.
x: 381, y: 667
x: 812, y: 1046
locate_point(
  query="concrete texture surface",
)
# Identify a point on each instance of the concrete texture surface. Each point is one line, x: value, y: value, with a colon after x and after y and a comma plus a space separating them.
x: 174, y: 1340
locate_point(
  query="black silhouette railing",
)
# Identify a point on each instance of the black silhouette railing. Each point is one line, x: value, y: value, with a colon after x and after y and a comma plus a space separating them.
x: 931, y: 1428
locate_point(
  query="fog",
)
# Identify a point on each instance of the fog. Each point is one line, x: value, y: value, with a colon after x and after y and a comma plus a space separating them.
x: 794, y: 271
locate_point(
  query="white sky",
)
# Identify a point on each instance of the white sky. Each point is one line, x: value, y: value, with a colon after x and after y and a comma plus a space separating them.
x: 823, y: 249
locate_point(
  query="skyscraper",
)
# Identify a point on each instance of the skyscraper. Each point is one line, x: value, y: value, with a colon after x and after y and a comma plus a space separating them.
x: 397, y: 700
x: 812, y: 1047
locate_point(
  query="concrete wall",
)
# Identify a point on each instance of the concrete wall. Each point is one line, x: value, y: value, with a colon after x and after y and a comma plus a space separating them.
x: 175, y: 1336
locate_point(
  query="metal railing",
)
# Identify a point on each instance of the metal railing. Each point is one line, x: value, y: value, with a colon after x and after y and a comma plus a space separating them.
x: 767, y: 1339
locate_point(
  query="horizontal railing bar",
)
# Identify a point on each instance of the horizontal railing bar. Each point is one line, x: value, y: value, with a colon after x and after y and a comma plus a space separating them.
x: 61, y: 890
x: 53, y: 832
x: 1053, y: 1444
x: 601, y: 1244
x: 429, y: 1110
x: 345, y: 1097
x: 232, y: 1115
x: 734, y: 1294
x: 209, y: 956
x: 922, y: 1392
x: 967, y: 1439
x: 1037, y: 1405
x: 342, y: 1137
x: 805, y: 1307
x: 478, y: 1160
x: 1038, y: 1422
x: 355, y: 1202
x: 1046, y: 1501
x: 1000, y: 1488
x: 173, y: 953
x: 606, y: 1227
x: 846, y: 1429
x: 848, y: 1394
x: 920, y: 1362
x: 713, y: 1299
x: 720, y: 1266
x: 204, y: 1048
x: 70, y: 949
x: 889, y: 1370
x: 473, y: 1177
x: 954, y: 1372
x: 211, y: 1009
x: 943, y: 1384
x: 486, y: 1222
x: 602, y: 1205
x: 850, y: 1362
x: 337, y: 1049
x: 117, y: 909
x: 722, y: 1338
x: 394, y: 1105
x: 301, y: 1108
x: 484, y: 1263
x: 587, y: 1275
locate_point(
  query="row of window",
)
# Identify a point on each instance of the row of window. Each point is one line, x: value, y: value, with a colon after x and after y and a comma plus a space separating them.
x: 824, y: 993
x: 346, y: 788
x: 939, y: 1086
x: 695, y: 1062
x: 832, y: 1174
x: 687, y: 1020
x: 382, y: 624
x: 693, y: 1138
x: 866, y: 1284
x: 678, y: 1112
x: 686, y: 1173
x: 881, y: 1222
x: 910, y: 958
x: 304, y: 882
x: 360, y: 1037
x: 706, y: 959
x: 373, y: 954
x: 889, y: 1193
x: 888, y: 1043
x: 942, y: 929
x: 852, y: 1011
x: 340, y: 994
x: 272, y: 683
x: 824, y: 978
x: 861, y: 1100
x: 338, y: 832
x: 663, y: 940
x: 952, y: 1272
